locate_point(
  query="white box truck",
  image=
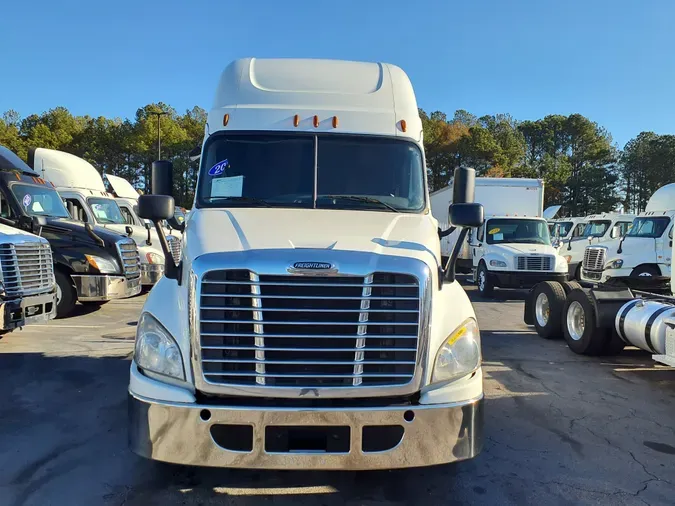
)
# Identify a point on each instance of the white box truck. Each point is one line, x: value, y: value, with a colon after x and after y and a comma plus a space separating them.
x: 513, y: 248
x: 296, y: 333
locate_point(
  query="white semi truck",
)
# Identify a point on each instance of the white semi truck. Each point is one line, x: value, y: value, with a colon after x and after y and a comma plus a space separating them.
x: 513, y: 248
x: 602, y: 320
x: 81, y: 187
x: 597, y: 229
x: 642, y: 257
x: 296, y: 332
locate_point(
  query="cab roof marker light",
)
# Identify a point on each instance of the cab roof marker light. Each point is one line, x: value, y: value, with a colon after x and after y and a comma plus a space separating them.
x: 226, y: 119
x: 316, y: 121
x: 404, y: 125
x: 296, y: 120
x: 336, y: 122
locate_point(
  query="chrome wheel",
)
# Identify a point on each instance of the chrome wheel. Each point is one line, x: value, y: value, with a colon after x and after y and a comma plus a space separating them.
x: 481, y: 280
x: 576, y: 320
x: 58, y: 294
x: 542, y: 309
x: 645, y: 275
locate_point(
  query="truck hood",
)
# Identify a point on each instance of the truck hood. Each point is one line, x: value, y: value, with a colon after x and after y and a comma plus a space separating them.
x: 523, y: 249
x: 246, y: 229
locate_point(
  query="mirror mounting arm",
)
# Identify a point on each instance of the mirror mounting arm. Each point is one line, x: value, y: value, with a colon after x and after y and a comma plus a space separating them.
x: 445, y: 233
x: 171, y: 270
x: 448, y: 270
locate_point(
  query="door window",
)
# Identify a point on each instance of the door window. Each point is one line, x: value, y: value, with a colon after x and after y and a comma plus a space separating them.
x: 128, y: 217
x: 76, y: 209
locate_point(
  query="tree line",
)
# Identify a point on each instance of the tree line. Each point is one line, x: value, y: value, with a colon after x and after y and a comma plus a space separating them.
x: 584, y: 171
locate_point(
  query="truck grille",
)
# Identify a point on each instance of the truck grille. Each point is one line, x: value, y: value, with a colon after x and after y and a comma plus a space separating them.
x: 27, y: 268
x: 308, y: 331
x: 131, y: 261
x: 175, y: 246
x: 594, y: 258
x: 532, y: 263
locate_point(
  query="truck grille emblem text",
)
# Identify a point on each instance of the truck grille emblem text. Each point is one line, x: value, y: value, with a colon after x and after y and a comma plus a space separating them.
x: 312, y: 265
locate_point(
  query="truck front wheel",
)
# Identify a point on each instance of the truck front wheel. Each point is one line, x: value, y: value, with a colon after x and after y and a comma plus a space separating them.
x: 485, y: 286
x: 645, y: 271
x: 65, y: 294
x: 580, y: 325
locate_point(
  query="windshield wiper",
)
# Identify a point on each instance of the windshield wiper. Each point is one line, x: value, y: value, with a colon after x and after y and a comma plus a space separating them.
x: 357, y: 198
x: 243, y: 200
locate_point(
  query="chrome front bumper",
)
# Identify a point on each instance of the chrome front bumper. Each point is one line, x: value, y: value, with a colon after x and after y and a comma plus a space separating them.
x: 27, y: 310
x: 151, y: 273
x: 97, y: 287
x: 187, y: 433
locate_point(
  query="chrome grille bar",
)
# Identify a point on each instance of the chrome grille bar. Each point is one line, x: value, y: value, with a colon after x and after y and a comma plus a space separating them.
x: 130, y: 258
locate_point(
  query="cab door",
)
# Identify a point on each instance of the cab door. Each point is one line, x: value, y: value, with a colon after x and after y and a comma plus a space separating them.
x: 664, y: 251
x: 478, y: 245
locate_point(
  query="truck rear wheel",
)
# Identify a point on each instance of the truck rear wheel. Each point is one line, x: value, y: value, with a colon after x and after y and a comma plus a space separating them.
x: 579, y: 325
x: 568, y: 286
x: 65, y: 294
x: 549, y: 302
x: 485, y: 286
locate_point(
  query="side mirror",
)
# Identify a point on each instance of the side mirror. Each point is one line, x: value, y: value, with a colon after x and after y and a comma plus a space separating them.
x: 129, y: 231
x: 156, y: 207
x: 148, y: 225
x: 37, y: 222
x: 466, y: 214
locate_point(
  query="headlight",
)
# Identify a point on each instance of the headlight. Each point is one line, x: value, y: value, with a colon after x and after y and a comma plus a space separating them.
x: 460, y: 353
x: 156, y: 350
x: 497, y: 263
x: 568, y: 258
x: 154, y: 258
x: 102, y: 265
x: 614, y: 264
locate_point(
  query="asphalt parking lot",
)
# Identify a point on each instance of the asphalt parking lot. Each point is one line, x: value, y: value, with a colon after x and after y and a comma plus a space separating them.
x: 561, y: 429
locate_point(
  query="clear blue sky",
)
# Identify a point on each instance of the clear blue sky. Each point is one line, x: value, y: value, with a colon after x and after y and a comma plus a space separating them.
x: 613, y: 61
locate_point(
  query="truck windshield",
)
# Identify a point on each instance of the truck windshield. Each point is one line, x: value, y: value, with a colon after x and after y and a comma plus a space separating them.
x: 106, y: 211
x: 349, y: 172
x: 596, y: 228
x: 39, y: 200
x: 562, y: 228
x: 649, y: 227
x: 519, y: 231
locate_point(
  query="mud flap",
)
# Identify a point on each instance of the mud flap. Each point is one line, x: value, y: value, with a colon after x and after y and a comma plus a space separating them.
x: 528, y: 312
x: 608, y: 300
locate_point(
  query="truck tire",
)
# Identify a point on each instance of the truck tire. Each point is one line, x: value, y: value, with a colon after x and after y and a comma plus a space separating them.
x: 579, y: 325
x: 568, y: 286
x: 65, y: 294
x: 548, y: 302
x: 485, y: 286
x: 647, y: 271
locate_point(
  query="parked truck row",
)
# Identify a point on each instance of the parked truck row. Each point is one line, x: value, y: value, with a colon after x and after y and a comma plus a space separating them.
x: 65, y: 239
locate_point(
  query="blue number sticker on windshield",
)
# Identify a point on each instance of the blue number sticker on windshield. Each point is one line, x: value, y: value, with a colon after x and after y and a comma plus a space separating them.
x: 27, y: 199
x: 218, y: 168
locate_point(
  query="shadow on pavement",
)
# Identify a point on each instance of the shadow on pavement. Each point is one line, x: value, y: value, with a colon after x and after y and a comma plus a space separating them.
x: 556, y: 428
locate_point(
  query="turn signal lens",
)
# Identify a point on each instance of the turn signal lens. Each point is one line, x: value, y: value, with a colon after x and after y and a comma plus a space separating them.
x: 296, y: 120
x: 226, y: 119
x: 336, y: 122
x: 404, y: 126
x: 316, y: 121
